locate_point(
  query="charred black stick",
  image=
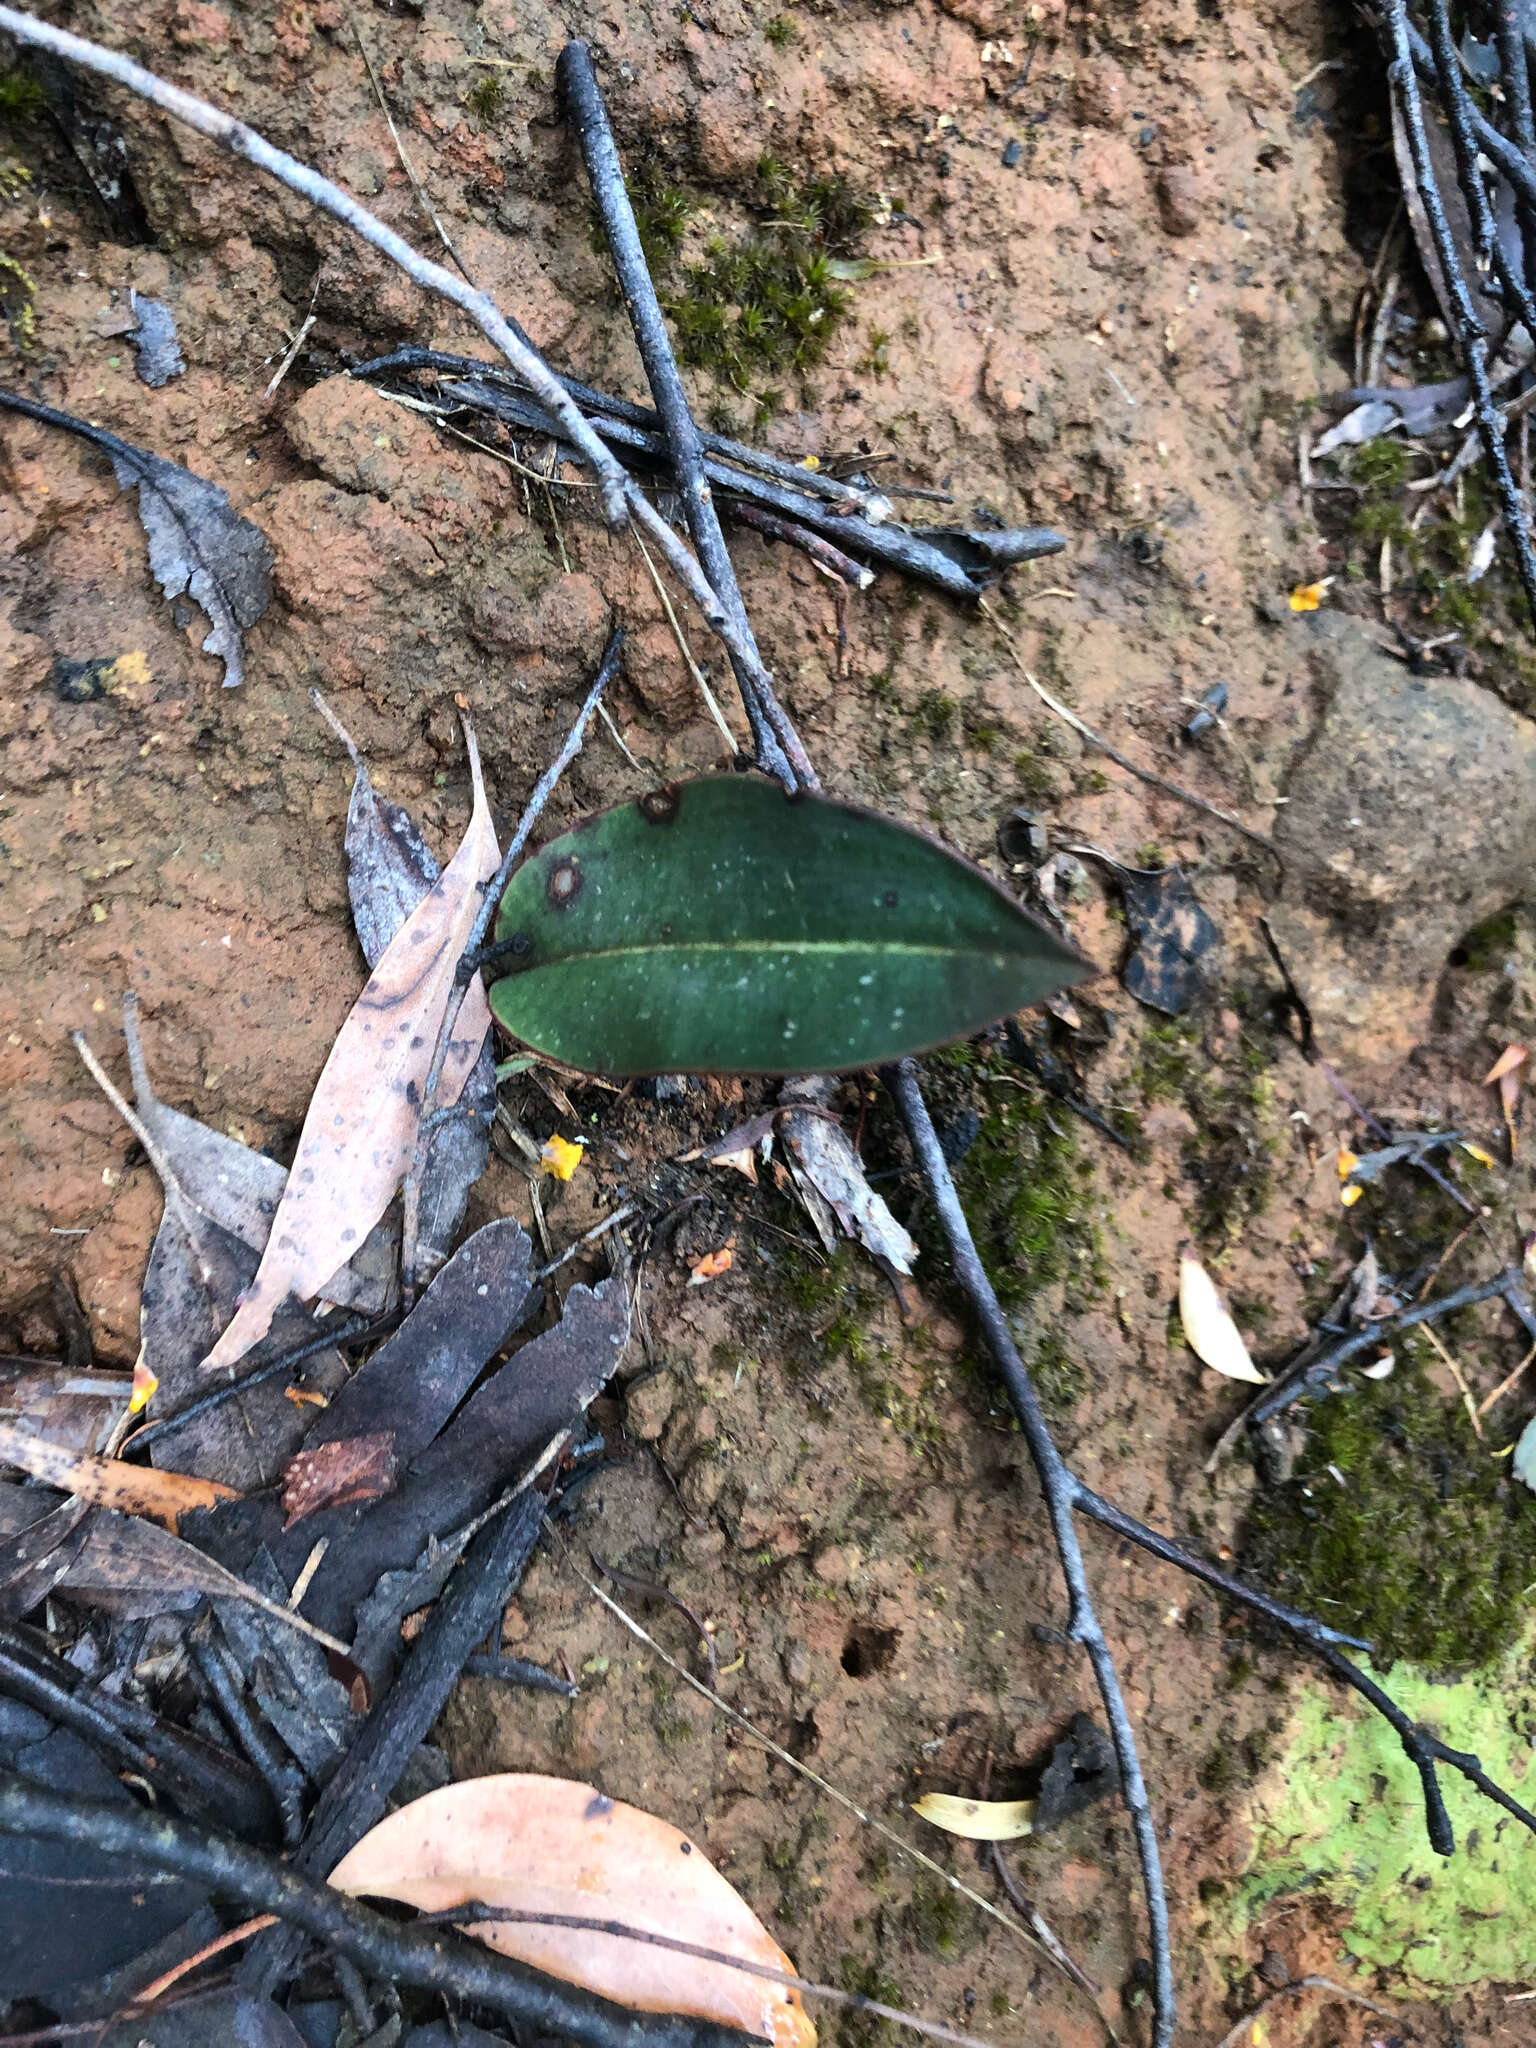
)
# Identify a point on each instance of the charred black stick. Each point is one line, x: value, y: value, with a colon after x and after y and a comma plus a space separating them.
x: 1461, y: 117
x: 355, y: 1798
x: 198, y: 1776
x: 821, y: 551
x: 350, y: 1329
x: 1063, y: 1496
x: 283, y: 1778
x: 778, y: 747
x: 432, y: 1959
x: 818, y: 483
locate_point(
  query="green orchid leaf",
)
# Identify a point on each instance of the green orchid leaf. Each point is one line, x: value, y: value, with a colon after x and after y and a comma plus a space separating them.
x: 722, y: 927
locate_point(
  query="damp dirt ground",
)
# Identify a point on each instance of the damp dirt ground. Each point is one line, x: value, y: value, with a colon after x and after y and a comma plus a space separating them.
x: 1124, y: 244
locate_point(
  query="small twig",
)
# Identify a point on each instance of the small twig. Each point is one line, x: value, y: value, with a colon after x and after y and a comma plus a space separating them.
x: 651, y: 1589
x: 821, y: 551
x: 405, y: 163
x: 1241, y: 2032
x: 533, y: 810
x: 230, y: 1938
x: 1097, y: 739
x: 1507, y: 1386
x: 701, y: 683
x: 482, y: 1916
x: 778, y: 749
x: 1026, y: 1908
x: 1319, y: 1370
x: 1454, y: 1368
x: 428, y: 1958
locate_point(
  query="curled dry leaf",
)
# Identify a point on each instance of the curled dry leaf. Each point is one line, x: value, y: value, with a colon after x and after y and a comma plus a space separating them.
x: 1511, y: 1057
x: 107, y: 1483
x: 822, y: 1154
x: 360, y: 1131
x: 1212, y: 1334
x: 978, y: 1820
x: 548, y: 1845
x: 390, y: 868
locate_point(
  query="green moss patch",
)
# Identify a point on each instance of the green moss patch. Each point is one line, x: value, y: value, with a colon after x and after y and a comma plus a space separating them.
x: 1398, y: 1526
x: 1341, y: 1814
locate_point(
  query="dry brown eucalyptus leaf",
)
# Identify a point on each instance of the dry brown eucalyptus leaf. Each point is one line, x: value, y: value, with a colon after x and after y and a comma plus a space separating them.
x: 107, y: 1483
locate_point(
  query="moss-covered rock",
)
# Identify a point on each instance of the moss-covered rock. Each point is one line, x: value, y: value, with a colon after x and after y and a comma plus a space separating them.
x: 1399, y: 1527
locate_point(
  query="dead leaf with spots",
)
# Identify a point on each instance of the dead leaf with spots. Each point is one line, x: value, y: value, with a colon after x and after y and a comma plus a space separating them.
x: 360, y: 1132
x: 534, y: 1846
x: 107, y: 1483
x: 354, y: 1468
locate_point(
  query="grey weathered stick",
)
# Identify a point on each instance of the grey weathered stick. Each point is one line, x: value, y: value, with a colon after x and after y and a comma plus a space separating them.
x: 779, y: 751
x: 623, y: 499
x: 830, y: 558
x: 1061, y: 1492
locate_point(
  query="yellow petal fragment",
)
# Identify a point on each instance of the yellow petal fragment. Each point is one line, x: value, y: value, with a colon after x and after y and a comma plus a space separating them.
x: 1307, y: 597
x: 560, y: 1157
x: 978, y: 1820
x: 144, y: 1385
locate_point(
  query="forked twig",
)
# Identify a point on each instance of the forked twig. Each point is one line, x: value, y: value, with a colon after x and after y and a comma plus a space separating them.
x: 1064, y: 1494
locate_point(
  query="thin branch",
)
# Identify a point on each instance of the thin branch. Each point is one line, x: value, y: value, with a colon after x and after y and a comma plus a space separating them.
x: 1245, y: 2031
x: 1322, y: 1368
x: 1063, y: 1494
x: 623, y: 499
x: 533, y: 810
x: 778, y: 748
x: 578, y: 1923
x: 429, y: 1959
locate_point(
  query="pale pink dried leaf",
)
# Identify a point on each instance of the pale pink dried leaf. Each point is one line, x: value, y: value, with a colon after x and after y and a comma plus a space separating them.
x: 360, y: 1131
x: 549, y: 1845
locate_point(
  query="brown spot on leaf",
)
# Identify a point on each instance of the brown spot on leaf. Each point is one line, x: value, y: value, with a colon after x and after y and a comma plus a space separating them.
x: 564, y: 885
x: 661, y: 806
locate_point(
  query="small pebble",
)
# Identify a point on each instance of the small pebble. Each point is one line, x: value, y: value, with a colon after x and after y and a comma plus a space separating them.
x: 1012, y: 154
